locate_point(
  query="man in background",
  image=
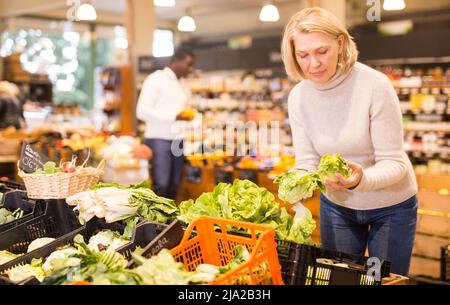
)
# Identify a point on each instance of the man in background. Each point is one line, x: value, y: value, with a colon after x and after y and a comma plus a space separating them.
x: 161, y: 103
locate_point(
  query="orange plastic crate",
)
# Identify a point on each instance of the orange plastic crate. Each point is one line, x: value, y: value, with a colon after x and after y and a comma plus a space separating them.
x: 213, y: 246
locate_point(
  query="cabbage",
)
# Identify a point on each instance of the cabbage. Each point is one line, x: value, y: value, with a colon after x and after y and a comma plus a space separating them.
x: 58, y: 258
x: 22, y: 272
x: 106, y: 239
x: 38, y: 243
x: 6, y: 256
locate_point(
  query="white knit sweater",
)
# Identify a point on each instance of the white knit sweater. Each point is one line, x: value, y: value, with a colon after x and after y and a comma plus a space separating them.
x: 358, y: 116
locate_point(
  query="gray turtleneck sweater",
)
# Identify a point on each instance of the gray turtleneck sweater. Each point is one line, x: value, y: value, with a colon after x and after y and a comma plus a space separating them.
x: 358, y: 116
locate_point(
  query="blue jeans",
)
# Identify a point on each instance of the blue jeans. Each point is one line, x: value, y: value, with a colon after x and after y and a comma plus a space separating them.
x: 387, y: 232
x: 166, y: 168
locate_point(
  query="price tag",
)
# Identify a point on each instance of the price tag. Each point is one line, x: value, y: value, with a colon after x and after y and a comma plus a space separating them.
x: 167, y: 239
x: 31, y: 160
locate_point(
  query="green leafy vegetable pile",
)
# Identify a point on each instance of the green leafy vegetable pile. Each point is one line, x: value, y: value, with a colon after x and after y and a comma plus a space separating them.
x: 245, y: 201
x: 7, y: 216
x: 49, y: 168
x: 110, y: 268
x: 119, y: 203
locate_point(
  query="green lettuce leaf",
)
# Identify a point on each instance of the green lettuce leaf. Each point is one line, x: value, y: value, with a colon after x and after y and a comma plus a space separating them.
x: 332, y: 164
x: 295, y: 187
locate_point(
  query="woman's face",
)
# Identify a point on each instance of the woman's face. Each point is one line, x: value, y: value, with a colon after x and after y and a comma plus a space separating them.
x: 317, y: 55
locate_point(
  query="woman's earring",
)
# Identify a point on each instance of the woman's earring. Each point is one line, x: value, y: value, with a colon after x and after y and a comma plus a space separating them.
x: 339, y: 60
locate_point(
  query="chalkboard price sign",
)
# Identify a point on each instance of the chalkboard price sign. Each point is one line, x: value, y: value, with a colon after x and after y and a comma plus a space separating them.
x: 31, y: 160
x: 167, y: 239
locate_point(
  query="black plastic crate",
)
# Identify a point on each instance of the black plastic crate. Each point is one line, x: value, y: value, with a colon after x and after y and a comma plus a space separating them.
x: 17, y: 199
x: 445, y: 263
x: 13, y: 185
x: 300, y: 267
x: 4, y: 188
x: 57, y: 220
x: 4, y: 281
x: 143, y: 234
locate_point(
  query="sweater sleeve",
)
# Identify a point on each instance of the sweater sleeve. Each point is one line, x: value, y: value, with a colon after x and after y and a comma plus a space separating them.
x: 148, y: 97
x: 386, y: 131
x: 306, y: 156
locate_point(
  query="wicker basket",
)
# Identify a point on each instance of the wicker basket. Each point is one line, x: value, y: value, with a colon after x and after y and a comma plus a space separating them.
x: 61, y: 185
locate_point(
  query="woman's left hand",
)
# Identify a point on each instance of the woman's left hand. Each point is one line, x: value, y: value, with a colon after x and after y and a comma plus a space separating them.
x: 346, y: 183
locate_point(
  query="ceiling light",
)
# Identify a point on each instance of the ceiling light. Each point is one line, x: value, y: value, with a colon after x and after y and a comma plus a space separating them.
x: 394, y: 5
x: 186, y: 24
x: 164, y: 3
x: 269, y: 13
x: 86, y: 12
x: 401, y: 27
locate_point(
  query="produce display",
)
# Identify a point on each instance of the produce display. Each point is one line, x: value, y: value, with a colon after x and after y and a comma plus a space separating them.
x: 245, y: 201
x: 248, y: 163
x: 6, y: 256
x: 218, y: 157
x: 115, y: 202
x: 97, y: 263
x: 39, y: 268
x: 38, y: 243
x: 296, y: 186
x: 7, y: 216
x: 78, y: 142
x: 285, y: 163
x: 64, y: 167
x: 124, y: 151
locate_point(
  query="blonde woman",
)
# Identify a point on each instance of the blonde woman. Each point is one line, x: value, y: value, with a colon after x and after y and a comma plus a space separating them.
x: 343, y: 106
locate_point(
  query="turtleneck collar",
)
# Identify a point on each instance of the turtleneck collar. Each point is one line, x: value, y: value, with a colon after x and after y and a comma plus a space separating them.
x: 335, y: 81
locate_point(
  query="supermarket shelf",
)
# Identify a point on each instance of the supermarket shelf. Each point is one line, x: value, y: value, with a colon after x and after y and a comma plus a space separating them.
x: 405, y: 61
x: 423, y: 87
x: 440, y: 127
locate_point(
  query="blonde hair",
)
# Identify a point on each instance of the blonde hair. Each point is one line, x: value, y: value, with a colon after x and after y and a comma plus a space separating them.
x: 310, y: 20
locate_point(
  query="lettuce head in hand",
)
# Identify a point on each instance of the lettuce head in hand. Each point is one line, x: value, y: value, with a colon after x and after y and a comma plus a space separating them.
x: 331, y: 165
x: 295, y: 186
